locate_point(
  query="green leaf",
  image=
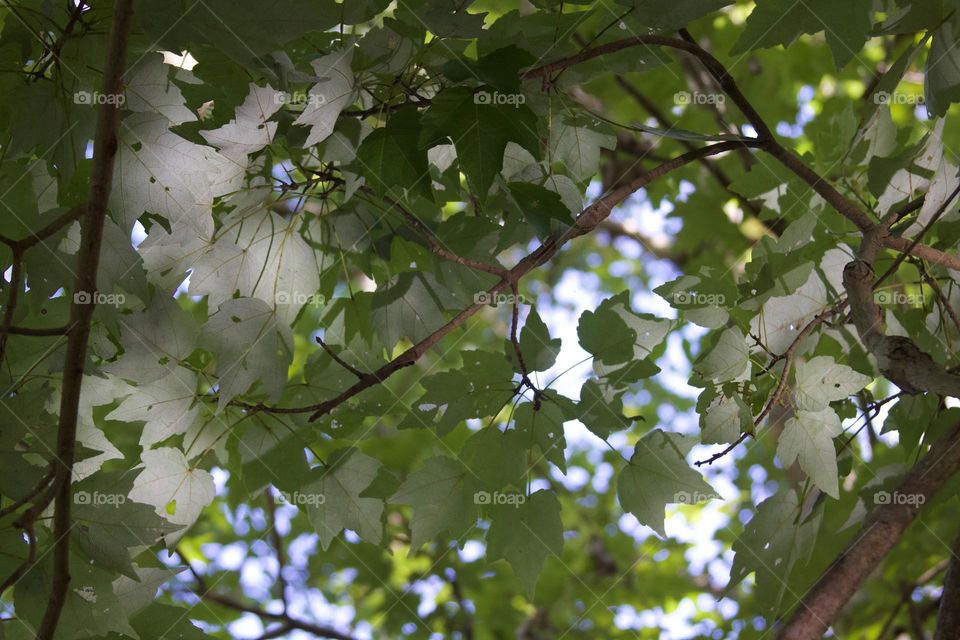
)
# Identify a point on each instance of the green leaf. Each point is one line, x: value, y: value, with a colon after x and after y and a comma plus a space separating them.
x: 481, y: 388
x: 774, y: 544
x: 109, y: 527
x: 390, y: 157
x: 334, y: 503
x: 614, y: 334
x: 480, y: 131
x: 270, y: 452
x: 408, y: 307
x: 658, y: 475
x: 538, y: 348
x: 780, y: 22
x: 729, y: 359
x: 495, y: 458
x: 244, y: 29
x: 723, y: 419
x: 601, y: 408
x: 526, y: 535
x: 543, y: 428
x: 542, y: 208
x: 441, y: 493
x: 942, y: 79
x: 672, y: 16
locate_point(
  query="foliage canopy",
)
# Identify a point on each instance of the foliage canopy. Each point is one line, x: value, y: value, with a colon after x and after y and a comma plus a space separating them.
x: 482, y: 319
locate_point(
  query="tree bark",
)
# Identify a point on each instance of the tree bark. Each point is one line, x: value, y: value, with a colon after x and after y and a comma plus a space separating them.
x: 881, y: 531
x: 948, y: 619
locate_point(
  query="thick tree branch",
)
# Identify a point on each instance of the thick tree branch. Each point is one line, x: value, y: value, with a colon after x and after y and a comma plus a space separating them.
x: 881, y: 531
x: 948, y: 619
x: 922, y: 251
x: 88, y: 259
x: 898, y: 358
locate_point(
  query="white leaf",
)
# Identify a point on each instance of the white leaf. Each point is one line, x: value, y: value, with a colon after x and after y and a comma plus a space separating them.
x: 808, y: 438
x: 95, y: 391
x: 259, y: 255
x: 135, y: 596
x: 723, y: 420
x: 909, y: 182
x: 250, y: 346
x: 568, y: 191
x: 329, y: 97
x: 249, y: 131
x: 168, y: 483
x: 161, y: 173
x: 944, y: 182
x: 166, y: 406
x: 442, y: 156
x: 728, y: 360
x: 578, y: 148
x: 149, y: 90
x: 154, y: 341
x: 783, y: 317
x: 821, y: 381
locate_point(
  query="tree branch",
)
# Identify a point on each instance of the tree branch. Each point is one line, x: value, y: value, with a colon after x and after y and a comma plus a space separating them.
x: 88, y: 259
x: 340, y: 361
x: 203, y: 591
x: 766, y: 139
x: 712, y: 65
x: 588, y: 220
x: 898, y: 358
x: 948, y: 619
x: 881, y: 531
x: 787, y: 357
